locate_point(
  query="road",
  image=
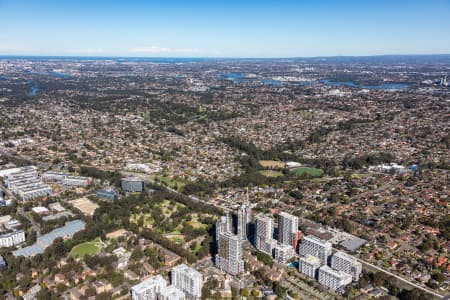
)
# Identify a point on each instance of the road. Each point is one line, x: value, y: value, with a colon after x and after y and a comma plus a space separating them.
x: 5, y: 152
x: 305, y: 290
x: 35, y: 225
x: 399, y: 278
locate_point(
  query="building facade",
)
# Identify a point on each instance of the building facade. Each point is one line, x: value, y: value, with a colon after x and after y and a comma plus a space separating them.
x: 224, y: 224
x: 171, y: 293
x: 132, y: 184
x: 264, y: 240
x: 334, y: 279
x: 229, y: 256
x: 311, y: 245
x: 109, y: 194
x: 309, y: 265
x: 283, y: 253
x: 148, y: 289
x: 12, y: 239
x: 188, y: 280
x: 25, y: 183
x: 244, y: 219
x: 346, y: 263
x: 287, y: 229
x: 66, y: 178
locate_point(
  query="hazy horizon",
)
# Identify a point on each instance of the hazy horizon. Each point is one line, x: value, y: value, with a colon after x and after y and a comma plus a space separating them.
x: 218, y: 29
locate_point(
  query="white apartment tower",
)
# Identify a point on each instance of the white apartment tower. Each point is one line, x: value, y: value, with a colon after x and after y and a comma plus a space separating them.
x: 316, y: 247
x: 188, y: 280
x: 264, y: 240
x: 229, y: 256
x: 309, y: 265
x: 333, y: 279
x: 283, y: 253
x: 224, y: 224
x: 244, y: 218
x: 287, y: 228
x: 171, y: 293
x: 148, y: 289
x: 343, y: 262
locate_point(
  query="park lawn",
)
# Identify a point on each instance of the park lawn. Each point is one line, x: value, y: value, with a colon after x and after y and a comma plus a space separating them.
x: 87, y: 248
x: 176, y: 238
x: 169, y: 211
x: 270, y: 173
x: 197, y: 248
x: 196, y: 224
x: 148, y: 221
x: 310, y: 171
x: 172, y: 182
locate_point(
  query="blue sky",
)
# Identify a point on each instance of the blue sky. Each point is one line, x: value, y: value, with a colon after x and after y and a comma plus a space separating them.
x: 217, y: 28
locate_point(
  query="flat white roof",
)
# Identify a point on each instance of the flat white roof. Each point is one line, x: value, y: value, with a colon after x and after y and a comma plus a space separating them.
x: 40, y: 209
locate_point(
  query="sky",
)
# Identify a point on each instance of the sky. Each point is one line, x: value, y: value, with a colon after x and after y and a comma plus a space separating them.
x: 216, y: 28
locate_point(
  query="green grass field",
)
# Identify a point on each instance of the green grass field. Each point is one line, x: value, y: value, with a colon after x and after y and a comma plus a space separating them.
x: 88, y: 248
x: 270, y: 173
x: 174, y: 183
x: 314, y: 172
x: 307, y: 115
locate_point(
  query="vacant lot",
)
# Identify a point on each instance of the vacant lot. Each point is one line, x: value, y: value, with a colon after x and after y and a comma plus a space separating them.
x: 86, y: 206
x: 271, y: 173
x: 310, y: 171
x: 272, y: 164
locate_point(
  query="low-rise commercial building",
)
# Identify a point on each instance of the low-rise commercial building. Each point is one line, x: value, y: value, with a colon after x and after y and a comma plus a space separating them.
x: 132, y: 184
x: 42, y: 242
x: 66, y: 178
x: 26, y: 184
x: 12, y: 239
x: 109, y: 194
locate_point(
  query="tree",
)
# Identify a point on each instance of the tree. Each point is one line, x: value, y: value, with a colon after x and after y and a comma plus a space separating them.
x: 104, y: 296
x: 244, y: 292
x: 61, y: 288
x: 234, y: 292
x: 44, y: 294
x: 378, y: 279
x: 90, y: 292
x: 438, y: 276
x: 137, y: 254
x: 206, y: 292
x: 414, y: 294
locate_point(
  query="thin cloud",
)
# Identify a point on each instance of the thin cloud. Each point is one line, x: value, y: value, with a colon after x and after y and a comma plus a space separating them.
x: 162, y: 50
x: 9, y: 48
x: 86, y: 51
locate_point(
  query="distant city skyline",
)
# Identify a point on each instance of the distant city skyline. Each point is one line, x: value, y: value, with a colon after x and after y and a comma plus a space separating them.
x: 260, y: 29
